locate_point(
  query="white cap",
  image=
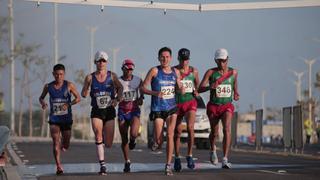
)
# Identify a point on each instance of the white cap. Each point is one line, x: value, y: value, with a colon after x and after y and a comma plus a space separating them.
x: 101, y: 55
x: 221, y: 54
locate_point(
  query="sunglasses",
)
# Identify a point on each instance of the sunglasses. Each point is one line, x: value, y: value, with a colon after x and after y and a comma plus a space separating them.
x: 222, y: 60
x: 101, y: 61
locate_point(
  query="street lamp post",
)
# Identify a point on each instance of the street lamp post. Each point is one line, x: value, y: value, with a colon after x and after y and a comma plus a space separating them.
x: 298, y: 84
x: 263, y: 104
x: 92, y: 31
x: 55, y: 35
x: 12, y: 77
x: 310, y: 63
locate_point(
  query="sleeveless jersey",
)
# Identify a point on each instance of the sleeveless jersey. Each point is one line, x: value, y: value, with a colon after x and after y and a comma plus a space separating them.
x: 59, y: 97
x: 224, y: 92
x: 130, y: 94
x: 102, y: 93
x: 165, y: 83
x: 188, y: 84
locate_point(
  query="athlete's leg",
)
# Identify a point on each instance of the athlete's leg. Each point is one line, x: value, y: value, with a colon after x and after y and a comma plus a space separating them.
x: 108, y: 131
x: 134, y: 127
x: 123, y: 128
x: 171, y: 124
x: 66, y: 136
x: 158, y: 131
x: 226, y: 123
x: 97, y: 126
x: 190, y: 116
x: 56, y: 135
x: 214, y: 124
x: 177, y: 135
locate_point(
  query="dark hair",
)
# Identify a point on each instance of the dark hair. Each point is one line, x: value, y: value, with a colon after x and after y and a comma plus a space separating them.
x: 163, y: 50
x: 58, y: 67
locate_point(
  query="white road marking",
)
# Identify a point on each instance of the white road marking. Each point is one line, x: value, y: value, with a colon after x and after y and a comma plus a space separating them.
x: 156, y: 152
x: 279, y: 172
x: 49, y: 169
x: 137, y: 150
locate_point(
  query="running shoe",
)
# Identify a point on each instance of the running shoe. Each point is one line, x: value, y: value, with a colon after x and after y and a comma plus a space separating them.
x: 154, y: 147
x: 225, y: 163
x: 168, y: 170
x: 63, y: 149
x: 126, y: 168
x: 177, y: 164
x: 59, y: 171
x: 190, y: 162
x: 103, y: 170
x: 132, y: 144
x: 214, y: 158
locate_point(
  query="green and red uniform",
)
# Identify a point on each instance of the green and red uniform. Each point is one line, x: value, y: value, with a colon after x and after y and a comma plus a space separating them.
x: 187, y: 102
x: 221, y: 97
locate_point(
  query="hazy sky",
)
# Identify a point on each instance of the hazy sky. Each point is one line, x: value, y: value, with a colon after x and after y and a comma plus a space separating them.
x: 263, y: 44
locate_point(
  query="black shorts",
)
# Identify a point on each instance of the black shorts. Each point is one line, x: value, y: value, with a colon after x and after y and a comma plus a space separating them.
x: 105, y: 115
x: 162, y: 114
x: 62, y: 126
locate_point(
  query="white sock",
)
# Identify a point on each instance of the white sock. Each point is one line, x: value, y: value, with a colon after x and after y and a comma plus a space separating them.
x: 100, y: 152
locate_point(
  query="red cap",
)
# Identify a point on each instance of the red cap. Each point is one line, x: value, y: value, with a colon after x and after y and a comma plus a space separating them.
x: 128, y: 64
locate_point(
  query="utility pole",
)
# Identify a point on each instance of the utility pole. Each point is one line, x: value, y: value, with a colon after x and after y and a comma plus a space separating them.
x: 12, y: 77
x: 92, y: 31
x: 55, y: 35
x: 263, y: 104
x: 310, y: 63
x: 298, y: 84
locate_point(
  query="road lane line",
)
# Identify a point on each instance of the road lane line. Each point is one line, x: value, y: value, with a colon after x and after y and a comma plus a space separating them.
x: 279, y: 172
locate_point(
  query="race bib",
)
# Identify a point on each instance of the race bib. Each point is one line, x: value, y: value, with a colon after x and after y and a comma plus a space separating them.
x: 103, y: 101
x: 58, y: 109
x: 187, y: 85
x: 223, y: 91
x: 129, y: 95
x: 168, y: 92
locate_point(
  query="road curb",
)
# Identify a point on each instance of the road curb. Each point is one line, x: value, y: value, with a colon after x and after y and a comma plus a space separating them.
x: 270, y: 152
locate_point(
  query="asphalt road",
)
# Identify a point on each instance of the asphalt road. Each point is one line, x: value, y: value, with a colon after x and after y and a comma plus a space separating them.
x: 80, y: 162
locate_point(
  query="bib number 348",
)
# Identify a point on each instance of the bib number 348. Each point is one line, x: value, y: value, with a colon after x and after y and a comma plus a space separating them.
x: 223, y: 90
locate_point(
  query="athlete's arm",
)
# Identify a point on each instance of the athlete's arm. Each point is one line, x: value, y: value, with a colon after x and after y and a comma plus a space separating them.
x: 86, y: 86
x: 44, y: 105
x: 141, y: 97
x: 196, y: 81
x: 236, y: 95
x: 179, y: 86
x: 203, y: 85
x: 147, y: 81
x: 75, y: 93
x: 118, y: 86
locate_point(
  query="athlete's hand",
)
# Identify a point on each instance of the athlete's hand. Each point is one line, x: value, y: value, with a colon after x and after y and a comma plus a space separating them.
x: 44, y: 106
x: 65, y: 106
x: 160, y: 94
x: 195, y: 93
x: 114, y: 102
x: 139, y: 101
x: 236, y: 96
